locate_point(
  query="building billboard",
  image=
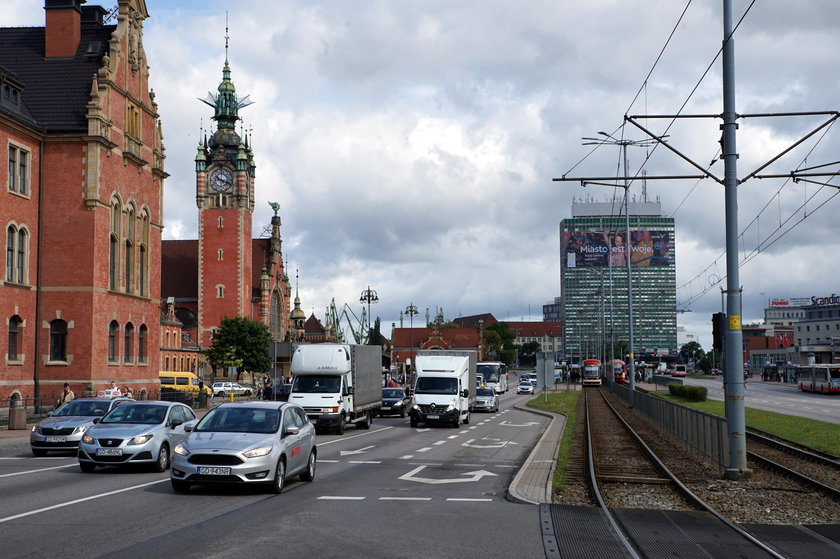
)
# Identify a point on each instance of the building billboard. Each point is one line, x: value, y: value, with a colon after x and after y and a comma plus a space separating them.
x: 585, y: 249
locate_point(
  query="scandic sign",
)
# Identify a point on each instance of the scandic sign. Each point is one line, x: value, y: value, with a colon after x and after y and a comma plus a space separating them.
x: 833, y: 300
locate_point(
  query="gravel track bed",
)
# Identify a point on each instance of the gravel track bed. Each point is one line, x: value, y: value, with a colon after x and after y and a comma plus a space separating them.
x: 766, y: 498
x: 823, y: 474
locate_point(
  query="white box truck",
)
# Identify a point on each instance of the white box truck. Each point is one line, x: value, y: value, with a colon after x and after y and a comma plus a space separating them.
x: 337, y: 384
x: 445, y: 387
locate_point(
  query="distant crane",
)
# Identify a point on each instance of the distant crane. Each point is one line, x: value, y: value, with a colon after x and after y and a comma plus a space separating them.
x: 353, y: 324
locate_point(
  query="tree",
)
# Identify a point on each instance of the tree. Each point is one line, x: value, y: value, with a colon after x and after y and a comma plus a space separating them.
x: 503, y: 350
x: 491, y: 342
x: 692, y: 351
x: 241, y: 343
x: 529, y: 351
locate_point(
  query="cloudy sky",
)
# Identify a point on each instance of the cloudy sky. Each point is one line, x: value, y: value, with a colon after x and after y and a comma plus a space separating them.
x: 411, y: 145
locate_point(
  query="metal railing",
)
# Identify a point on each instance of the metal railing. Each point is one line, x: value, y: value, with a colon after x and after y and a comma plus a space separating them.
x: 705, y: 432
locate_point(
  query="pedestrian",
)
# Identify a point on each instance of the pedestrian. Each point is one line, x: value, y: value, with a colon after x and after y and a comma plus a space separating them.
x: 115, y: 390
x: 128, y: 393
x: 66, y: 396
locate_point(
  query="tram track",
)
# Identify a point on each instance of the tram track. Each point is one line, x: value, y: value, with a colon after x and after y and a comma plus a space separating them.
x: 630, y: 452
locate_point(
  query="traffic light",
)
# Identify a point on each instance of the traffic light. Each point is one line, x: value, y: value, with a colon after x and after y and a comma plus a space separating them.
x: 718, y: 330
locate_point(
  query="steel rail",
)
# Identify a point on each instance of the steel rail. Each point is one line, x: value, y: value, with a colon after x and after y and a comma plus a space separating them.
x: 689, y: 493
x: 800, y: 451
x: 828, y: 490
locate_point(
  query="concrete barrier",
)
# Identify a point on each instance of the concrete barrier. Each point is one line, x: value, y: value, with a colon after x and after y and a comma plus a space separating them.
x: 17, y: 419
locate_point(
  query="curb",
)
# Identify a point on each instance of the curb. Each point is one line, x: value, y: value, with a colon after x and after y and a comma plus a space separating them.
x: 515, y: 492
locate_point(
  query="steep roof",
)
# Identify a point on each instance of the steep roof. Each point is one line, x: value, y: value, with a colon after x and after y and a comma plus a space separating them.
x: 22, y: 52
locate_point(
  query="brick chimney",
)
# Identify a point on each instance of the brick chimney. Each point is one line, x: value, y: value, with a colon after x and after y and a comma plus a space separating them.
x: 63, y: 30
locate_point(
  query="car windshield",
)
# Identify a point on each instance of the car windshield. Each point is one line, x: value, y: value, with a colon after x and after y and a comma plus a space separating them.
x: 436, y: 385
x: 240, y: 420
x: 525, y: 383
x: 82, y: 407
x: 484, y: 392
x: 136, y: 414
x: 316, y: 384
x: 393, y: 393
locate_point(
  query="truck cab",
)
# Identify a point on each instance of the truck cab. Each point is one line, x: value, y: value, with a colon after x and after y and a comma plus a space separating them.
x: 445, y: 387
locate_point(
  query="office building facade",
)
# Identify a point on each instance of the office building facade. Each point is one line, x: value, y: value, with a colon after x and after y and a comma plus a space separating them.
x: 593, y: 278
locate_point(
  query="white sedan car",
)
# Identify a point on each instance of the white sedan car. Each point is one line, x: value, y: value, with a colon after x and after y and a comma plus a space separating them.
x: 225, y: 388
x: 246, y: 443
x: 525, y: 387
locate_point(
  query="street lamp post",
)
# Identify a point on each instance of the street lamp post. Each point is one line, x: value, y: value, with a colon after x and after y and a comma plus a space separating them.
x: 369, y: 296
x: 411, y: 311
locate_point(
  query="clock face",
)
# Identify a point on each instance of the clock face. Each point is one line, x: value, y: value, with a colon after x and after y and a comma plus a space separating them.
x: 221, y: 180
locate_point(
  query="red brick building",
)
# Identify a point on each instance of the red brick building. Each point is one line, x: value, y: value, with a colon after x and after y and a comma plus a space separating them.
x: 82, y: 178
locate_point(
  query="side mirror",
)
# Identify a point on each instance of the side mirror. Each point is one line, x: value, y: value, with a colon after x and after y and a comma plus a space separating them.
x: 350, y: 391
x: 466, y: 393
x: 189, y: 426
x: 291, y: 431
x: 97, y: 420
x: 175, y: 422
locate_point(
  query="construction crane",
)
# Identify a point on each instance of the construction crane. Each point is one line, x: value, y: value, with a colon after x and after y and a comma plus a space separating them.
x: 345, y: 321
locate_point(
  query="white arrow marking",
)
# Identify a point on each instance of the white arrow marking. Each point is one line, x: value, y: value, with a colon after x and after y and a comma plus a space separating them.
x: 499, y: 444
x: 476, y: 475
x: 360, y: 451
x: 506, y: 424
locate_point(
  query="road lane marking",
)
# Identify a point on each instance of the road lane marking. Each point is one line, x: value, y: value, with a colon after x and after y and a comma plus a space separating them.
x: 475, y: 476
x: 364, y: 461
x: 339, y: 498
x: 407, y: 457
x: 82, y: 500
x: 455, y: 499
x: 473, y: 427
x: 354, y: 436
x: 38, y: 470
x: 36, y: 458
x: 405, y: 498
x: 453, y: 436
x: 424, y: 449
x: 438, y: 443
x: 322, y: 461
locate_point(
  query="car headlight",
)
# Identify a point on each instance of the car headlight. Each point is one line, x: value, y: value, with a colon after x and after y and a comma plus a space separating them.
x: 329, y: 410
x: 80, y: 429
x: 254, y: 453
x: 181, y: 450
x: 36, y: 428
x: 398, y: 404
x: 451, y: 406
x: 141, y: 439
x: 87, y: 439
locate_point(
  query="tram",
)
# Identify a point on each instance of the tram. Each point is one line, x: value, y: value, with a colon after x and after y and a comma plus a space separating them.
x: 819, y: 378
x: 591, y: 372
x: 619, y: 370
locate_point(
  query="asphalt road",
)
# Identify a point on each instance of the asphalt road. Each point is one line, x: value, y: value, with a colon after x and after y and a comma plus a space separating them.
x: 782, y: 398
x: 391, y: 491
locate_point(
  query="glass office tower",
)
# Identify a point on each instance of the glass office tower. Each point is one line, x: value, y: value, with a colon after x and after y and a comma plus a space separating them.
x: 593, y: 281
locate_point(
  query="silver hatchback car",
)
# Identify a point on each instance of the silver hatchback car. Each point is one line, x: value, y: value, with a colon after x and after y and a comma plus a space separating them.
x: 63, y: 428
x: 246, y: 443
x: 135, y: 433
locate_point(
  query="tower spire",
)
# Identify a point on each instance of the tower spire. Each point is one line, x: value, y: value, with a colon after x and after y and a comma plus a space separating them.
x: 226, y: 38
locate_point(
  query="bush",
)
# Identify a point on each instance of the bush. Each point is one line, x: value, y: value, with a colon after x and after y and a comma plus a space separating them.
x: 691, y: 393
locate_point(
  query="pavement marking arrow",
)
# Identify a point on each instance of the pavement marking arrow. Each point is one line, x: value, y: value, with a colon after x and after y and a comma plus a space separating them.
x: 476, y: 475
x: 506, y: 424
x: 498, y: 444
x: 360, y: 451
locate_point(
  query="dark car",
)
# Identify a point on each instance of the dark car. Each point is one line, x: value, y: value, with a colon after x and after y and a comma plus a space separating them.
x: 394, y: 402
x: 173, y: 395
x: 277, y: 392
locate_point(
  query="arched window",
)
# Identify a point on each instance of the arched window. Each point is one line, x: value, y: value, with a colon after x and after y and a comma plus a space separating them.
x: 167, y: 339
x: 220, y: 291
x: 11, y: 235
x: 142, y: 270
x: 141, y: 343
x: 114, y: 244
x: 166, y: 367
x: 128, y: 345
x: 58, y: 340
x: 220, y: 255
x: 221, y: 222
x: 14, y: 337
x: 113, y: 348
x: 21, y: 256
x: 130, y: 243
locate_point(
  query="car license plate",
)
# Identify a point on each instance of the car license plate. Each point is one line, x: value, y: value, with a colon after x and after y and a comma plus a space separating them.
x: 209, y: 471
x: 432, y: 417
x: 56, y: 439
x: 109, y: 452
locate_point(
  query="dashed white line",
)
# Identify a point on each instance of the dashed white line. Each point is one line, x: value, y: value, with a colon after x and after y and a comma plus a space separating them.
x: 405, y: 498
x: 424, y: 449
x: 407, y: 457
x: 322, y: 461
x: 438, y: 443
x: 469, y: 500
x: 36, y: 471
x: 340, y: 498
x: 364, y: 461
x: 453, y: 436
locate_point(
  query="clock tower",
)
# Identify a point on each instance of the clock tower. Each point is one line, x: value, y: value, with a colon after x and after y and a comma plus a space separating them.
x: 225, y: 170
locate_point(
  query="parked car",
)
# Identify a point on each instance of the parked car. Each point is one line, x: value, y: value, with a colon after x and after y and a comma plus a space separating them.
x: 246, y: 442
x: 277, y: 392
x: 395, y: 401
x: 63, y: 428
x: 525, y: 387
x: 486, y: 399
x: 168, y: 394
x: 533, y: 378
x: 225, y: 388
x: 135, y: 433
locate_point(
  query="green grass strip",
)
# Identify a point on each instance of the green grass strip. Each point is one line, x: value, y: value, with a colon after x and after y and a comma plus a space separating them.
x: 821, y: 435
x: 566, y: 403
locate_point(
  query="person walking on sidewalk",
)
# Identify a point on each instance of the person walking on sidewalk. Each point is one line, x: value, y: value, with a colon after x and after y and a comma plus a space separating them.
x: 66, y: 396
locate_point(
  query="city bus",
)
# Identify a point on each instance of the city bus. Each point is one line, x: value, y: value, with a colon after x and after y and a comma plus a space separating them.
x: 819, y: 378
x: 591, y: 372
x: 619, y: 370
x: 495, y: 375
